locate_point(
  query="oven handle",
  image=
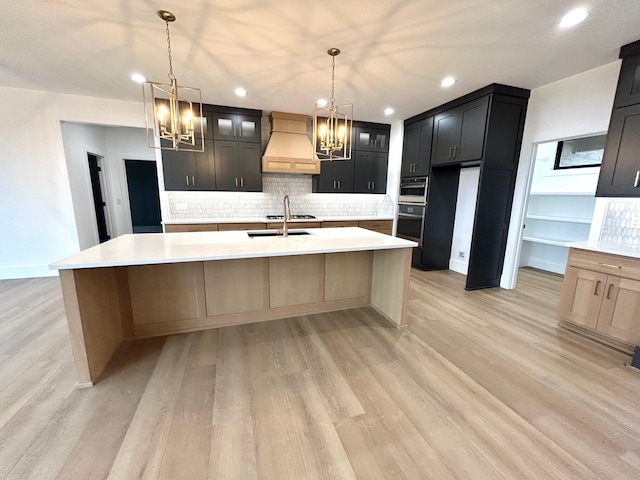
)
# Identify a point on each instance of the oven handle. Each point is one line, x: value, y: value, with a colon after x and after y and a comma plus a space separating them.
x: 409, y: 215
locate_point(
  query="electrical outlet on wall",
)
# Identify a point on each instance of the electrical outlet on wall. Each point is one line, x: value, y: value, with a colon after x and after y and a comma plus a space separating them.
x: 460, y: 254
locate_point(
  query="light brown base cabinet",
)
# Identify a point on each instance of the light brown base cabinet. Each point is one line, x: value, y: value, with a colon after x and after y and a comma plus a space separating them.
x: 380, y: 226
x: 601, y: 298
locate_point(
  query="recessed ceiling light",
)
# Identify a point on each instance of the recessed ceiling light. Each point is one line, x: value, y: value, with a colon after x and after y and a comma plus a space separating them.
x: 574, y: 17
x: 138, y: 78
x: 389, y: 111
x: 322, y: 102
x: 447, y: 81
x: 241, y: 92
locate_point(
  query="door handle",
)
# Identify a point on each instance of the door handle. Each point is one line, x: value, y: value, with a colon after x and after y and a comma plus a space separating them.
x: 334, y: 184
x: 242, y: 181
x: 636, y: 182
x: 595, y: 292
x: 187, y: 177
x: 455, y: 151
x: 373, y: 185
x: 449, y: 152
x: 368, y: 185
x: 609, y: 291
x: 236, y: 181
x: 339, y: 184
x: 193, y: 180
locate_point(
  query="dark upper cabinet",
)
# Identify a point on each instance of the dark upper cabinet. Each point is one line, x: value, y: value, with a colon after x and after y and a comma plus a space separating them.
x: 189, y: 170
x: 335, y: 177
x: 628, y: 91
x: 459, y: 133
x: 237, y: 166
x: 620, y: 171
x: 235, y: 126
x: 416, y: 150
x: 371, y: 139
x: 370, y: 172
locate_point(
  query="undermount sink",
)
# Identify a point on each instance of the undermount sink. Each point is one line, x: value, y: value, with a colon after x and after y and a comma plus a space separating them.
x: 274, y: 233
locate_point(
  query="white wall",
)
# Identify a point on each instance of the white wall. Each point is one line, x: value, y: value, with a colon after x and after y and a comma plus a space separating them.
x: 37, y: 224
x: 465, y: 214
x: 78, y: 141
x: 573, y: 107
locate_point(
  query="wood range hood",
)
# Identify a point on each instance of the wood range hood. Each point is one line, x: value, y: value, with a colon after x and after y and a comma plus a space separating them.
x: 289, y: 149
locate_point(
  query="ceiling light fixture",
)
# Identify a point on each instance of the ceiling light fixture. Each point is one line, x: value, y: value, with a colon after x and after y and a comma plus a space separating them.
x: 322, y: 102
x: 447, y: 81
x: 574, y: 17
x: 389, y: 111
x: 176, y: 112
x: 332, y: 124
x: 138, y: 78
x: 241, y: 92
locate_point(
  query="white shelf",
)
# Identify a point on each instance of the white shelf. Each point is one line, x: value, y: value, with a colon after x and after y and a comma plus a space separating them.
x: 548, y: 241
x: 552, y: 218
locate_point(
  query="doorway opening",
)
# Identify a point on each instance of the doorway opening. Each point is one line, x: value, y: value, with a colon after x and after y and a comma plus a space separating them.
x: 96, y: 174
x: 144, y: 197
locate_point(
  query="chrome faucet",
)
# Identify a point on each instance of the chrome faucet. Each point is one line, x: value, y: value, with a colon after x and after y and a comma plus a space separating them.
x: 287, y: 216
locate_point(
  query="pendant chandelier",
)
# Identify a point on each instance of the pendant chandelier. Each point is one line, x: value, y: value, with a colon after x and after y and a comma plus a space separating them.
x: 175, y: 111
x: 332, y: 124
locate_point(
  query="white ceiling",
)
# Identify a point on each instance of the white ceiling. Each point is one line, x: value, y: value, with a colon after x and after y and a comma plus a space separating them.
x: 394, y: 52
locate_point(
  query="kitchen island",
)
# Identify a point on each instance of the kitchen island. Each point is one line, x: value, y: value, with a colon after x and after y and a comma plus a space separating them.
x: 147, y: 285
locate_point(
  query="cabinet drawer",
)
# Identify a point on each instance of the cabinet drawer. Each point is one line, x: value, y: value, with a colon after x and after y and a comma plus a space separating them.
x: 225, y: 227
x: 605, y: 263
x: 337, y: 223
x: 276, y: 225
x: 380, y: 226
x: 191, y: 227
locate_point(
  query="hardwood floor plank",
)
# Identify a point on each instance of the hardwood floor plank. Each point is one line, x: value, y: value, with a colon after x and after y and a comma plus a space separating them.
x: 233, y: 451
x: 144, y: 444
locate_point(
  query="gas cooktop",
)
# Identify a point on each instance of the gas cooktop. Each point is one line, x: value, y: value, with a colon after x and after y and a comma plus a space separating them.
x: 293, y: 217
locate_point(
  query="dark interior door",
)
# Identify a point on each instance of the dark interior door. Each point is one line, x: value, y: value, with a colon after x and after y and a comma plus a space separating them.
x: 98, y: 200
x: 144, y: 199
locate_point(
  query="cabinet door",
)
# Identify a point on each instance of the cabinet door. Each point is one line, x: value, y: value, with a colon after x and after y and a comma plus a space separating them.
x: 628, y: 91
x: 223, y: 126
x: 370, y: 173
x: 446, y: 135
x: 410, y: 150
x: 249, y: 157
x: 177, y: 169
x: 371, y: 139
x: 228, y: 170
x: 247, y: 128
x: 620, y: 171
x: 473, y: 117
x: 204, y: 175
x: 620, y: 313
x: 582, y: 294
x: 336, y: 177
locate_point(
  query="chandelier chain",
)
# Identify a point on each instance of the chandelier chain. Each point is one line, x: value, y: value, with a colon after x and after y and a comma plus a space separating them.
x: 171, y: 76
x: 333, y: 79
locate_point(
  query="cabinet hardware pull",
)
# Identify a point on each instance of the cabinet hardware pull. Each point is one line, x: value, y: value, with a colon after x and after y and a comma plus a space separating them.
x: 193, y: 180
x: 609, y: 291
x: 609, y: 265
x: 242, y: 181
x: 636, y: 182
x: 449, y: 152
x: 455, y: 151
x: 595, y: 292
x: 339, y: 183
x: 334, y: 184
x: 374, y: 185
x: 187, y: 177
x: 236, y: 181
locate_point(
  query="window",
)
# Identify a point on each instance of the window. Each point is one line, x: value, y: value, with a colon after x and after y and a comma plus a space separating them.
x: 580, y: 152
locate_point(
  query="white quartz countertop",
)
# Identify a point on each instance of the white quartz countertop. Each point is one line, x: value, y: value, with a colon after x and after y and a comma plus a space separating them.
x: 153, y: 248
x: 265, y: 220
x: 609, y: 247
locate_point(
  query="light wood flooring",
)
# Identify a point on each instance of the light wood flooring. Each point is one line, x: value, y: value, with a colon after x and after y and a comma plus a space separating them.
x: 481, y: 385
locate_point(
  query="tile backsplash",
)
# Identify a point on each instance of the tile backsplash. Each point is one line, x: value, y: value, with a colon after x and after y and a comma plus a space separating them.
x: 622, y: 221
x: 204, y: 205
